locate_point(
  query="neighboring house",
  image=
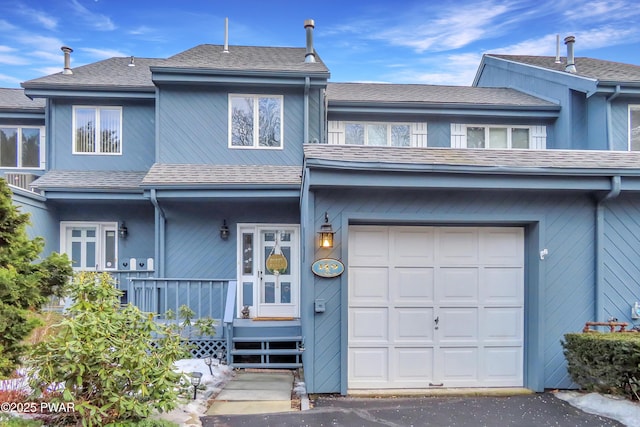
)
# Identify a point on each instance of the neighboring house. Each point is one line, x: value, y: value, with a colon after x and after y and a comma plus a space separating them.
x: 477, y: 224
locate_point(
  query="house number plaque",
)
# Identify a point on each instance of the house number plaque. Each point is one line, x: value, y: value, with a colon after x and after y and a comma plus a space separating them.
x: 327, y: 267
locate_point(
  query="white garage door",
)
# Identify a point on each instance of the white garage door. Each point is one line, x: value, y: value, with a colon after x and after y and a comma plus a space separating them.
x: 435, y: 307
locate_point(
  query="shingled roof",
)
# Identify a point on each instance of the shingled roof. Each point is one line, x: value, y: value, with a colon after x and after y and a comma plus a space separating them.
x: 431, y: 94
x: 525, y: 159
x: 89, y: 180
x: 245, y: 58
x: 221, y: 175
x: 16, y: 100
x: 598, y: 69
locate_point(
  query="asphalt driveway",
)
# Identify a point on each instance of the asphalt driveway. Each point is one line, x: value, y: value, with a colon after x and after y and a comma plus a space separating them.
x: 535, y: 410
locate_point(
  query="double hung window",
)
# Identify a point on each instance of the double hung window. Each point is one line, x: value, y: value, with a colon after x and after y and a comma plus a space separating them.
x: 97, y: 130
x: 255, y: 121
x: 498, y: 137
x: 21, y: 147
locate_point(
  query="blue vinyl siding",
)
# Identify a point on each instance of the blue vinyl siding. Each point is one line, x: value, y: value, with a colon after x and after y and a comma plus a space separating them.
x: 620, y: 123
x: 193, y: 245
x: 566, y: 227
x: 138, y: 138
x: 42, y: 222
x: 193, y: 127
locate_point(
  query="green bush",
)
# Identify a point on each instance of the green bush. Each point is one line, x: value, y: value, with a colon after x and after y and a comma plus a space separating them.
x: 7, y: 420
x: 143, y: 423
x: 106, y: 357
x: 604, y: 362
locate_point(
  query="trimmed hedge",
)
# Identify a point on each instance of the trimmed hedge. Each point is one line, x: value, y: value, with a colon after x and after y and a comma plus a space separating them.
x: 604, y: 362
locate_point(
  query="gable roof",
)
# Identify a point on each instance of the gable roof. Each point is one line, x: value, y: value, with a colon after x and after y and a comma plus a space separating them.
x: 89, y: 180
x: 16, y: 100
x: 112, y: 74
x: 190, y: 175
x: 598, y: 69
x: 494, y: 160
x: 430, y: 94
x: 245, y: 58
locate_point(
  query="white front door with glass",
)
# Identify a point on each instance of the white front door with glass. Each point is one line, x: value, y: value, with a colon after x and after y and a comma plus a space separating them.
x: 269, y: 270
x: 90, y: 245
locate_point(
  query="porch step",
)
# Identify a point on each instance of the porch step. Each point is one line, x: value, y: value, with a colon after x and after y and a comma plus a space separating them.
x: 297, y: 338
x: 279, y: 351
x: 266, y: 344
x: 269, y: 365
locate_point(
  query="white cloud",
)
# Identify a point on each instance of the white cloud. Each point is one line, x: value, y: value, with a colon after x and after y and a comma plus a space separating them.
x: 48, y: 56
x: 45, y: 71
x: 98, y: 21
x: 47, y: 21
x: 6, y: 26
x: 142, y: 30
x: 51, y: 44
x: 8, y: 59
x: 603, y: 10
x: 9, y: 80
x: 102, y: 53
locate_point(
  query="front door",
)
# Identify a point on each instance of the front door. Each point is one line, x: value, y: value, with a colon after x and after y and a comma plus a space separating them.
x: 274, y: 272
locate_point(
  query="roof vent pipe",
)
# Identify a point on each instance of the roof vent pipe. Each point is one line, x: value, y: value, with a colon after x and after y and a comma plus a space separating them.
x: 226, y: 36
x: 558, y: 49
x: 67, y: 59
x: 310, y: 55
x: 571, y: 62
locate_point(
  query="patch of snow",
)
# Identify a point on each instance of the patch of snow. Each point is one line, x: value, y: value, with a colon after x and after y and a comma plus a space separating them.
x: 614, y: 407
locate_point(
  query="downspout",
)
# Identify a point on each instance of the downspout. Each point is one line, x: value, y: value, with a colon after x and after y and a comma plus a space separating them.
x: 610, y: 98
x: 307, y: 84
x: 160, y: 233
x: 598, y: 297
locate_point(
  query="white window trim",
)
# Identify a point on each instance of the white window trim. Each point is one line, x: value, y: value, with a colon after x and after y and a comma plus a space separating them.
x: 97, y: 129
x: 101, y: 227
x: 417, y: 132
x: 629, y: 108
x: 256, y: 129
x: 43, y: 162
x: 537, y: 136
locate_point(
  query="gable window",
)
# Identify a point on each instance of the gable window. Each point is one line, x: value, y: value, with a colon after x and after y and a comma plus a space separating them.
x: 634, y: 127
x: 379, y: 134
x: 97, y: 130
x: 21, y: 147
x: 498, y: 137
x: 90, y: 245
x: 255, y: 121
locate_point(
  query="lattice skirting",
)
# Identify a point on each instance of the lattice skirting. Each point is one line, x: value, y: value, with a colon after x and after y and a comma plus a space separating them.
x: 203, y: 348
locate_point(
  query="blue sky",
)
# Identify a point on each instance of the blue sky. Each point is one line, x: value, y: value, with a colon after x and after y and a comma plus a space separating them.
x: 401, y: 41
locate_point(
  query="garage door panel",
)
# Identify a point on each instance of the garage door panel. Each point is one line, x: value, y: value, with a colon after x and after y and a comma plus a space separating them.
x: 368, y: 246
x: 459, y: 325
x: 369, y: 365
x: 458, y: 285
x: 502, y: 325
x: 502, y: 246
x: 413, y: 367
x: 412, y: 246
x: 503, y: 365
x: 368, y: 325
x: 458, y: 364
x: 458, y: 246
x: 370, y: 285
x: 413, y: 325
x: 413, y: 285
x: 503, y: 285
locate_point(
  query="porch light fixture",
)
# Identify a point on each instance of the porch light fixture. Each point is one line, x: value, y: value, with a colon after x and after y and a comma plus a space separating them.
x: 325, y: 235
x: 196, y: 377
x: 224, y: 230
x: 123, y: 231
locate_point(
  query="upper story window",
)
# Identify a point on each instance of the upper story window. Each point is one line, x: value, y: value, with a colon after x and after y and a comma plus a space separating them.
x: 498, y: 137
x: 634, y: 127
x: 378, y: 133
x: 255, y: 121
x: 21, y: 147
x: 97, y: 130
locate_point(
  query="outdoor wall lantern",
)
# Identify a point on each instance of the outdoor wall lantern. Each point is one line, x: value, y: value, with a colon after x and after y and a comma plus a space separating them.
x: 123, y: 231
x: 224, y: 230
x: 196, y: 377
x: 325, y: 235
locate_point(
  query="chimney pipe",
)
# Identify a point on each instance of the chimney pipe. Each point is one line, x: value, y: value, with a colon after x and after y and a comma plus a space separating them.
x: 226, y: 36
x: 310, y: 55
x: 571, y: 62
x: 67, y: 59
x: 558, y: 49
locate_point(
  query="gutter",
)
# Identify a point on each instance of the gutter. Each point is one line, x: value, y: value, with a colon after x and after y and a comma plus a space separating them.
x: 160, y: 226
x: 610, y: 98
x: 599, y: 247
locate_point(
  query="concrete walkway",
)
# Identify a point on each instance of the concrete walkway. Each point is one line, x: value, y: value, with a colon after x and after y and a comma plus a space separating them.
x: 255, y: 393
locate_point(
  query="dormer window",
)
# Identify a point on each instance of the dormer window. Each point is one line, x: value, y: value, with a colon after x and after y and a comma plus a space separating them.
x: 97, y: 130
x: 255, y: 121
x: 634, y: 127
x: 498, y: 137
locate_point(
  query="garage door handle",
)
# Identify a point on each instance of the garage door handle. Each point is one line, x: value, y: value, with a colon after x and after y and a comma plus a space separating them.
x: 437, y: 319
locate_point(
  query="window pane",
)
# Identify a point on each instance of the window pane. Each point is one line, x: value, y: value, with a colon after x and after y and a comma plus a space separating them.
x: 109, y: 130
x: 30, y: 148
x: 400, y: 136
x: 241, y: 122
x: 634, y: 128
x: 85, y: 130
x: 498, y: 138
x: 8, y: 147
x: 269, y: 294
x: 519, y: 138
x: 285, y: 292
x: 110, y: 249
x: 247, y: 253
x: 475, y: 137
x: 90, y: 255
x: 377, y: 134
x: 76, y: 254
x: 269, y: 122
x: 354, y: 134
